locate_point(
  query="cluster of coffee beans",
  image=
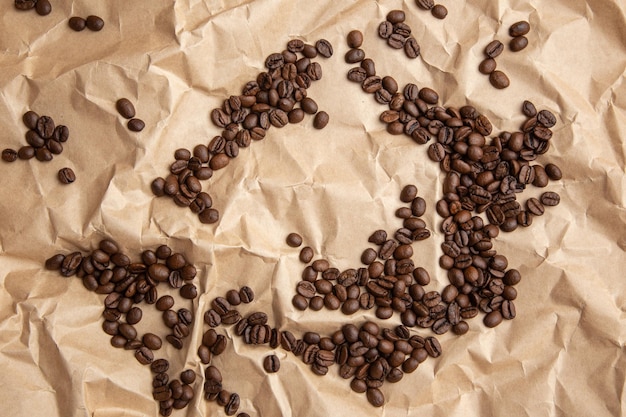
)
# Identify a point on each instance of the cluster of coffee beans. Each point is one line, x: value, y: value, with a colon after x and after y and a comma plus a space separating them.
x: 488, y: 65
x: 276, y: 98
x: 107, y: 270
x: 44, y: 140
x: 368, y: 355
x: 397, y: 34
x: 389, y: 282
x: 126, y: 109
x: 92, y: 22
x: 172, y: 394
x: 438, y: 10
x: 42, y: 7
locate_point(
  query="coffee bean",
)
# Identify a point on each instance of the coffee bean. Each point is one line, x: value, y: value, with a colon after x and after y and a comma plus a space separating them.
x: 493, y: 319
x: 246, y: 294
x: 189, y: 291
x: 375, y: 397
x: 136, y: 125
x: 487, y: 66
x: 550, y: 198
x: 25, y: 4
x: 144, y: 355
x: 439, y: 11
x: 271, y: 364
x: 321, y: 120
x: 425, y: 4
x: 324, y: 48
x: 396, y: 16
x: 152, y: 341
x: 546, y: 118
x: 9, y: 155
x: 134, y: 315
x: 529, y: 109
x: 518, y: 43
x: 519, y: 28
x: 66, y: 176
x: 233, y: 405
x: 43, y: 7
x: 411, y: 48
x: 30, y: 119
x: 94, y: 23
x: 499, y: 79
x: 126, y: 109
x: 494, y: 49
x: 553, y: 172
x: 354, y: 55
x: 306, y: 254
x: 355, y: 39
x: 396, y: 41
x: 77, y: 23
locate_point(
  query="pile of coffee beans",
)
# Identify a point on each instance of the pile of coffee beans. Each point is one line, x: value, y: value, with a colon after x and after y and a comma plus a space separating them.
x: 397, y: 33
x: 438, y: 10
x: 91, y: 22
x: 126, y: 109
x: 276, y: 98
x: 487, y: 66
x: 42, y: 7
x: 367, y: 355
x: 126, y: 284
x: 44, y: 139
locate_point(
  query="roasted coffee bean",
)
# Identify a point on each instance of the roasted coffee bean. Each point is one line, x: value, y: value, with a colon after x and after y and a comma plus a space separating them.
x: 494, y: 49
x: 144, y: 355
x: 271, y: 364
x: 550, y: 198
x: 134, y: 315
x: 355, y: 39
x: 354, y: 55
x: 439, y: 11
x: 321, y: 120
x: 375, y: 397
x: 499, y: 79
x: 136, y: 125
x: 25, y: 4
x: 26, y: 152
x: 66, y: 175
x: 152, y: 341
x: 233, y: 405
x: 9, y: 155
x: 385, y: 29
x: 487, y: 66
x: 519, y: 28
x: 553, y: 172
x: 529, y: 109
x: 126, y: 109
x: 411, y: 48
x: 306, y: 254
x: 324, y: 48
x: 546, y: 118
x: 425, y: 4
x: 432, y: 346
x: 189, y: 291
x: 94, y: 23
x: 493, y: 319
x: 77, y: 23
x: 246, y: 294
x: 518, y: 43
x: 396, y: 41
x: 45, y: 127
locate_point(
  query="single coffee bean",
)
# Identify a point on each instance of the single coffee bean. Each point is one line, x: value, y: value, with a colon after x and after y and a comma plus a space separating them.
x: 136, y: 125
x: 294, y: 240
x: 233, y: 405
x: 94, y: 23
x: 553, y: 172
x: 43, y: 7
x: 25, y: 4
x: 518, y: 43
x: 487, y: 66
x: 493, y: 319
x: 546, y: 118
x: 354, y: 55
x: 439, y: 11
x: 126, y: 109
x: 66, y: 175
x: 321, y: 120
x: 246, y: 294
x: 396, y: 16
x: 411, y: 48
x: 425, y: 4
x: 271, y: 364
x: 144, y: 355
x: 499, y: 79
x: 494, y: 48
x: 355, y: 39
x: 324, y: 48
x: 45, y: 127
x: 519, y: 28
x: 306, y: 254
x: 26, y: 152
x: 9, y: 155
x: 550, y: 198
x: 375, y: 397
x: 134, y: 315
x: 396, y: 41
x: 30, y: 119
x: 77, y: 23
x: 152, y: 341
x: 528, y: 109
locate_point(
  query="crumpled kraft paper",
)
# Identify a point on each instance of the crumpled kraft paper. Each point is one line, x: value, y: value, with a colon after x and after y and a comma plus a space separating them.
x: 563, y: 355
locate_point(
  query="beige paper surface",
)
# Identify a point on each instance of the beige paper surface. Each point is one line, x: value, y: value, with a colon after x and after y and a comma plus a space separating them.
x: 563, y: 355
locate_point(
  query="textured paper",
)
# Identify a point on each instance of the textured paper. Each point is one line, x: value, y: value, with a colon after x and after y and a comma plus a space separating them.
x: 563, y: 355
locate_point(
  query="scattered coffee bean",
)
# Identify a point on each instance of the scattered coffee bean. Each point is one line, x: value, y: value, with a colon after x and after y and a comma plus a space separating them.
x: 94, y: 23
x: 66, y: 176
x: 518, y: 43
x: 43, y: 7
x: 271, y: 364
x: 499, y: 79
x: 487, y: 66
x: 294, y: 240
x: 519, y: 28
x: 494, y: 49
x: 439, y: 11
x: 77, y: 23
x: 321, y: 120
x: 355, y: 39
x: 136, y: 125
x: 126, y: 109
x: 9, y: 155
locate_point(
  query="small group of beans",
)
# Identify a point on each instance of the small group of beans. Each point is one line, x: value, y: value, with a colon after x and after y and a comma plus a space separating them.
x: 42, y: 7
x: 488, y: 65
x: 438, y: 10
x: 44, y: 140
x: 395, y: 31
x: 125, y: 284
x: 368, y: 355
x: 126, y: 109
x: 91, y: 22
x: 276, y: 98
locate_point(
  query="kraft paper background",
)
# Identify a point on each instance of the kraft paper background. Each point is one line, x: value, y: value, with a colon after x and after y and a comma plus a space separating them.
x: 563, y: 355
